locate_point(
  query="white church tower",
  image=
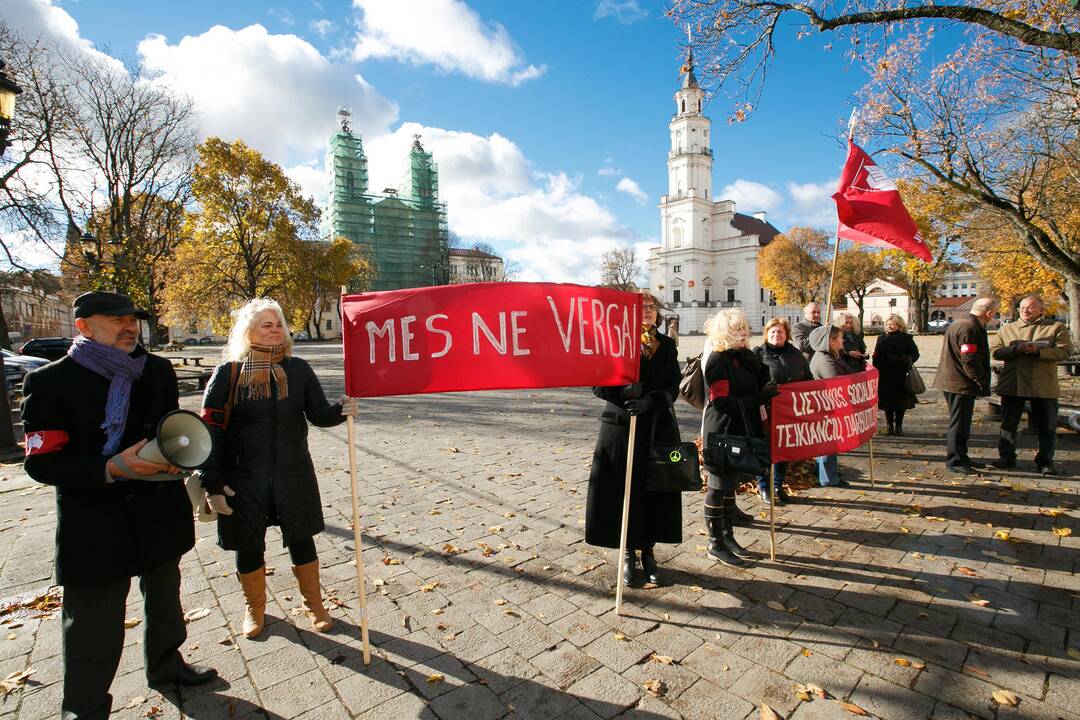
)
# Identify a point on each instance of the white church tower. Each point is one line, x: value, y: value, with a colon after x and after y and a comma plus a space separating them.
x: 707, y: 258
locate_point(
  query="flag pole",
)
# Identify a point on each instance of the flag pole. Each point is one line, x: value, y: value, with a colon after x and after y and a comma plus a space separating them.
x: 361, y: 585
x: 872, y: 458
x: 625, y: 515
x: 772, y: 512
x: 853, y: 121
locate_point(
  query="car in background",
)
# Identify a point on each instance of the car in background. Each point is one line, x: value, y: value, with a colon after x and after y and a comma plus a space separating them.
x: 937, y: 326
x: 25, y: 362
x: 302, y: 335
x: 48, y: 348
x: 206, y: 340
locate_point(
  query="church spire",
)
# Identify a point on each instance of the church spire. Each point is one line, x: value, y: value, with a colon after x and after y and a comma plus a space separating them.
x: 687, y: 70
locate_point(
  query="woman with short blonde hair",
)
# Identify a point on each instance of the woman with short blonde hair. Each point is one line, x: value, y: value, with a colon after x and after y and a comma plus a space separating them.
x: 854, y: 347
x: 737, y: 387
x: 901, y: 324
x: 894, y: 355
x: 239, y: 343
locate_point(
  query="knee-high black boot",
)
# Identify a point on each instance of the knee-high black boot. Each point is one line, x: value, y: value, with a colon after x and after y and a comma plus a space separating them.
x: 649, y: 566
x: 731, y: 510
x: 728, y: 531
x: 890, y: 422
x: 900, y: 422
x: 717, y: 524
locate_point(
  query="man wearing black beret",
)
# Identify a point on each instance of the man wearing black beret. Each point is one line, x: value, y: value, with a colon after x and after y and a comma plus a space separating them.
x: 86, y: 416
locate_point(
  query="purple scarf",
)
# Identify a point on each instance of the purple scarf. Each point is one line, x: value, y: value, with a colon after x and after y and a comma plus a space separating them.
x: 120, y: 369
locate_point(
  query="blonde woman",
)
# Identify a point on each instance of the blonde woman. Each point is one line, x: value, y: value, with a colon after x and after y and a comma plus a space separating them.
x: 854, y: 346
x: 260, y: 472
x: 655, y: 517
x: 733, y: 377
x: 894, y: 355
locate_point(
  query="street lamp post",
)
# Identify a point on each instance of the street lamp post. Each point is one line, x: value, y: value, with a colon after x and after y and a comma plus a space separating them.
x: 8, y: 91
x: 95, y: 259
x: 435, y: 269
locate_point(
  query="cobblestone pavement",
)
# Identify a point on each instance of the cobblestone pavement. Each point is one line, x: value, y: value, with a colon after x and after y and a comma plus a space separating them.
x: 484, y: 602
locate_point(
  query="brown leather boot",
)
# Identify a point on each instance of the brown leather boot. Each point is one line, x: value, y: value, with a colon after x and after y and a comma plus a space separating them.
x: 307, y: 577
x: 254, y: 587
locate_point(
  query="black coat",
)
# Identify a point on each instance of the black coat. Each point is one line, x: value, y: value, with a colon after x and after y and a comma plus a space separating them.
x: 654, y: 516
x: 263, y: 456
x: 104, y: 532
x: 894, y: 353
x: 852, y: 341
x: 733, y: 377
x: 785, y: 364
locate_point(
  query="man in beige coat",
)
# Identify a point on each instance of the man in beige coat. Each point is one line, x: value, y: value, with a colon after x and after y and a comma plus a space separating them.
x: 1030, y: 348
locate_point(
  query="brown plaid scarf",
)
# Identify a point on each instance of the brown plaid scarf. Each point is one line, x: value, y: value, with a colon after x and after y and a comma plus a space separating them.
x: 649, y: 342
x: 254, y: 383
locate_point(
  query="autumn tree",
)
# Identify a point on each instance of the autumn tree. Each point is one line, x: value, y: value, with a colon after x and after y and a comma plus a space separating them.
x: 619, y: 269
x: 856, y: 269
x: 1005, y: 264
x: 793, y: 266
x: 246, y: 239
x: 325, y: 268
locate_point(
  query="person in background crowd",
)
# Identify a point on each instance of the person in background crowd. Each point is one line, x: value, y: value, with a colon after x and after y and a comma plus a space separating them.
x: 1030, y: 348
x: 86, y: 417
x: 738, y: 387
x: 854, y: 346
x: 800, y: 335
x: 654, y: 516
x: 786, y: 365
x: 260, y: 472
x: 963, y: 374
x: 828, y: 362
x: 894, y: 354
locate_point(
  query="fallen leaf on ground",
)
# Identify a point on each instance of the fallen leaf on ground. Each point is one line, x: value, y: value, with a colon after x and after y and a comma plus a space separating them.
x: 1062, y: 531
x: 662, y: 659
x: 153, y: 712
x: 500, y: 601
x: 767, y: 713
x: 806, y: 653
x: 390, y: 561
x: 436, y: 678
x: 1005, y: 697
x: 428, y: 587
x: 136, y: 701
x: 196, y: 614
x: 902, y: 662
x: 970, y: 572
x: 656, y: 688
x: 851, y: 707
x: 132, y: 623
x: 437, y: 611
x: 1051, y: 512
x: 1001, y: 534
x: 620, y: 636
x: 778, y: 607
x: 977, y: 671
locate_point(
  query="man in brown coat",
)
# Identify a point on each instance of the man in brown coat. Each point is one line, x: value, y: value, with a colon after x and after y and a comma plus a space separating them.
x: 1030, y: 348
x: 963, y: 374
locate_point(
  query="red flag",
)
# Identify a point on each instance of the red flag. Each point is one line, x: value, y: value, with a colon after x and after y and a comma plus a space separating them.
x: 870, y: 208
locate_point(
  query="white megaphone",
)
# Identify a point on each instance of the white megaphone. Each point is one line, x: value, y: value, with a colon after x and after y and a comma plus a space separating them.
x: 183, y: 440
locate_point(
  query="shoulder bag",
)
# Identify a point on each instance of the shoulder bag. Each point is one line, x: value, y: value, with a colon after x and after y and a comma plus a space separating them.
x: 692, y: 385
x: 672, y: 466
x: 733, y: 453
x: 914, y: 381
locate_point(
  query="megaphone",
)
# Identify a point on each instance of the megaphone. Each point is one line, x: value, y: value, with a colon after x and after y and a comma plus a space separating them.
x: 183, y: 440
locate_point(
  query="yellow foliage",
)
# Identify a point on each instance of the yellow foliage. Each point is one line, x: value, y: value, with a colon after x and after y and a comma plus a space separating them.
x: 792, y: 267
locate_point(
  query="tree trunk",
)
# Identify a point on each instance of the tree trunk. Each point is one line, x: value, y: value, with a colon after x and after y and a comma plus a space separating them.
x: 1072, y: 288
x: 5, y: 337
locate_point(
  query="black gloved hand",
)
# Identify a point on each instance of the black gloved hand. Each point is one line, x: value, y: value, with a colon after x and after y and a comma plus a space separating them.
x: 627, y: 392
x: 770, y: 390
x: 636, y: 406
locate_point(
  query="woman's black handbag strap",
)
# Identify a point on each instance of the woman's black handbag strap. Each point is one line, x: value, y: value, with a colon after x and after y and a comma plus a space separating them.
x: 674, y: 421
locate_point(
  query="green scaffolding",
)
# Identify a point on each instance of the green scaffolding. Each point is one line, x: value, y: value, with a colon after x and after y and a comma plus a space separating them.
x: 405, y: 233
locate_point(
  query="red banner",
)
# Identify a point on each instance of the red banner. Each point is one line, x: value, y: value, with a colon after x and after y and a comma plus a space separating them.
x: 824, y: 417
x: 489, y: 336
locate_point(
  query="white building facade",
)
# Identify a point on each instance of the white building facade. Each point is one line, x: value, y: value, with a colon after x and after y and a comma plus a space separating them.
x: 708, y: 253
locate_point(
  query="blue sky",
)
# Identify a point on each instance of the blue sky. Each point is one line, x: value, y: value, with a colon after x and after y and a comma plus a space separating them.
x: 537, y: 112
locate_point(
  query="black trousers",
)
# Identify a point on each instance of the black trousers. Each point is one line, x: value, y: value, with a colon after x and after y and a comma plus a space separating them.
x: 1043, y: 419
x: 961, y: 410
x: 93, y: 627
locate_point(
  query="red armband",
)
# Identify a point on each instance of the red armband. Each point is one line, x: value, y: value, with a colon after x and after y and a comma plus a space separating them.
x: 45, y: 441
x: 214, y: 417
x: 968, y: 349
x: 719, y: 389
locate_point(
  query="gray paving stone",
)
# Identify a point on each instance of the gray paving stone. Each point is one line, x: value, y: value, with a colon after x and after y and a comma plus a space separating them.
x: 836, y: 678
x: 565, y: 664
x: 890, y: 702
x: 705, y: 701
x: 761, y: 685
x: 606, y: 693
x: 475, y: 702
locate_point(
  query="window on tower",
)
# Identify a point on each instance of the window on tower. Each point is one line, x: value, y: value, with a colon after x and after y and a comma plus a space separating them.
x: 731, y: 295
x: 684, y: 105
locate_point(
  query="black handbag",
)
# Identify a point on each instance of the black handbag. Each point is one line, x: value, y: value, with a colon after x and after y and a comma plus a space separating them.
x: 733, y: 453
x: 692, y: 385
x: 672, y: 467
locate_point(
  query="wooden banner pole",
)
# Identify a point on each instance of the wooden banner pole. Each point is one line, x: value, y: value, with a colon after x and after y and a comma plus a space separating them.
x: 625, y: 515
x: 871, y: 462
x: 826, y: 319
x: 772, y: 512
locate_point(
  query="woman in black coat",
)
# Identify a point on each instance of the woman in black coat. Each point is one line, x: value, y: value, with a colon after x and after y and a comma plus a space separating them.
x: 738, y: 387
x: 894, y: 355
x: 258, y: 404
x: 786, y: 364
x: 654, y: 516
x: 854, y: 346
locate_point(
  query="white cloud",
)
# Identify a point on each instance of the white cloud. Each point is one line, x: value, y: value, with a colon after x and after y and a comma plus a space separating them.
x: 444, y: 33
x: 750, y: 196
x: 40, y: 18
x: 812, y: 204
x: 312, y: 179
x: 608, y: 171
x: 282, y: 16
x: 631, y: 188
x: 322, y: 26
x: 626, y: 12
x: 277, y: 92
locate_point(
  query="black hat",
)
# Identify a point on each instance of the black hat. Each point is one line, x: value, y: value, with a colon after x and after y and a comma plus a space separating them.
x: 99, y: 302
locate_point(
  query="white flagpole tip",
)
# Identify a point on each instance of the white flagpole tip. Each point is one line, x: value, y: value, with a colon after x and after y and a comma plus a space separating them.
x: 853, y: 121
